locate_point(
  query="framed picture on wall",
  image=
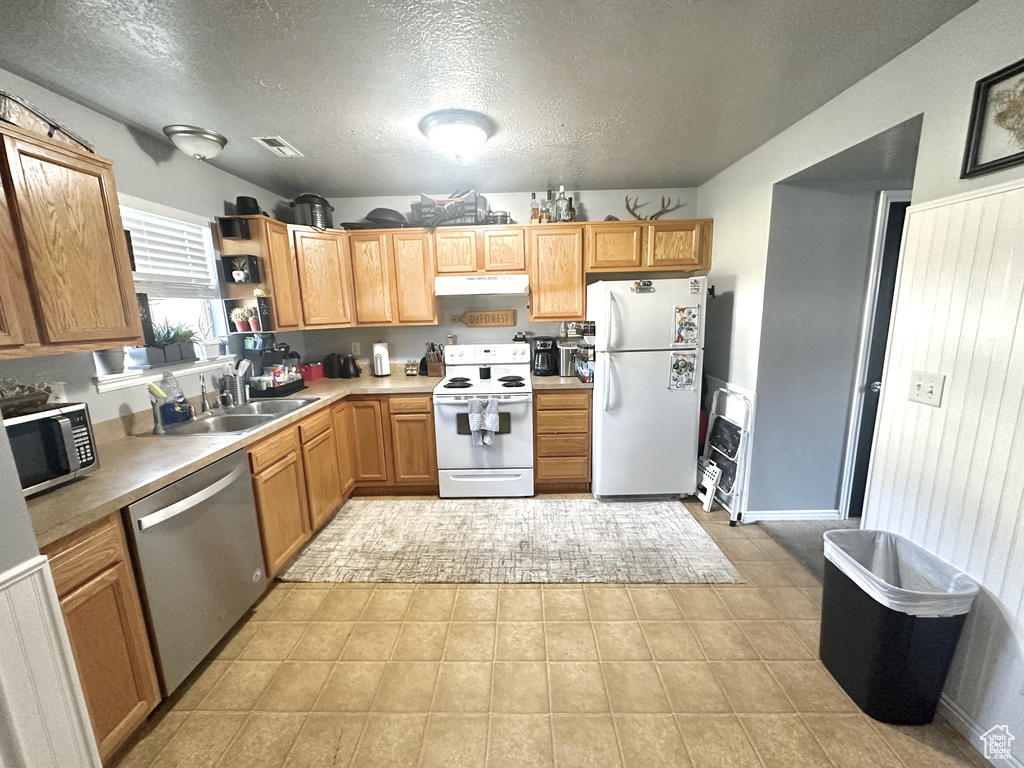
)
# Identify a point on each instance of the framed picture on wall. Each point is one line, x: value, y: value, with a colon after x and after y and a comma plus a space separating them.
x: 995, y: 139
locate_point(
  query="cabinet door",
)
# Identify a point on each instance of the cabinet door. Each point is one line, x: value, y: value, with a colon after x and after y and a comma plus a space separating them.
x: 415, y: 454
x: 371, y: 278
x: 74, y: 243
x: 281, y: 503
x: 674, y: 245
x: 343, y: 433
x: 556, y: 273
x: 614, y: 246
x: 504, y: 250
x: 455, y: 249
x: 323, y: 278
x: 414, y: 278
x: 284, y: 276
x: 323, y: 483
x: 368, y: 461
x: 11, y: 273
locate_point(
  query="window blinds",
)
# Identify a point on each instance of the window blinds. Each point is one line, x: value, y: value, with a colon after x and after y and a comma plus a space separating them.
x: 173, y: 259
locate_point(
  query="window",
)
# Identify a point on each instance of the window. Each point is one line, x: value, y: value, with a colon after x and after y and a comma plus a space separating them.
x: 175, y: 265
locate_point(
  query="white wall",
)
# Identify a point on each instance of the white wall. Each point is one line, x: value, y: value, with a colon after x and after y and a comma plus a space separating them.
x: 949, y: 478
x: 18, y: 542
x: 935, y: 77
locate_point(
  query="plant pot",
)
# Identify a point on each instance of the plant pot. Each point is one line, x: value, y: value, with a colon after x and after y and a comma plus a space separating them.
x: 188, y: 350
x: 209, y: 349
x: 254, y: 324
x: 173, y: 353
x: 146, y: 357
x: 240, y: 276
x: 242, y: 326
x: 109, y: 361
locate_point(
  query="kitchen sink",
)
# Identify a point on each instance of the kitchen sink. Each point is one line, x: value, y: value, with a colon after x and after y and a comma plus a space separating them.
x: 276, y: 407
x: 221, y: 424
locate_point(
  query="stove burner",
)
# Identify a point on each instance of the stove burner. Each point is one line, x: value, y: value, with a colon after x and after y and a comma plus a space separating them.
x: 461, y: 383
x: 513, y: 383
x: 511, y: 378
x: 458, y: 379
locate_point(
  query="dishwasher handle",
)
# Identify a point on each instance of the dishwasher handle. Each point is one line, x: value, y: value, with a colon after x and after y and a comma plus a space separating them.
x: 155, y: 518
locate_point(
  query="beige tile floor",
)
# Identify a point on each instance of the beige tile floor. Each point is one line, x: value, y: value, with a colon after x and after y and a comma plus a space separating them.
x: 566, y: 675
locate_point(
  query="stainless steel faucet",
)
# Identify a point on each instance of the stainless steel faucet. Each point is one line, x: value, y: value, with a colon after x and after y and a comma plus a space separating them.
x: 202, y: 394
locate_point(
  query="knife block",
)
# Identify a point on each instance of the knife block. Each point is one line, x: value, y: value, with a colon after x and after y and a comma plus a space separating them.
x: 435, y: 369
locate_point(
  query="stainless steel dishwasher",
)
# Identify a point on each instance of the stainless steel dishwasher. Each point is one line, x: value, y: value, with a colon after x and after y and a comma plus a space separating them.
x: 200, y: 563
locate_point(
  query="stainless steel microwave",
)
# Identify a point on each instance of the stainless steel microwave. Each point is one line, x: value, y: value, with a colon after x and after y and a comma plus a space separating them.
x: 52, y: 445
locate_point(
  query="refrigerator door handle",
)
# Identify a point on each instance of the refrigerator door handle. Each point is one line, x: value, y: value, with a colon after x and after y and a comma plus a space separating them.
x: 607, y: 381
x: 607, y: 323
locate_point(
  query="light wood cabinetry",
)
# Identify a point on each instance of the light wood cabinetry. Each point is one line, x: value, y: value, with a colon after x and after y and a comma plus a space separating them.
x: 456, y: 249
x: 66, y: 282
x: 393, y: 278
x: 556, y: 273
x: 412, y: 440
x: 470, y: 250
x: 563, y: 439
x: 414, y: 277
x: 372, y: 278
x: 504, y: 249
x: 102, y: 612
x: 320, y: 466
x: 344, y: 436
x: 325, y: 279
x: 369, y: 461
x: 614, y: 245
x: 678, y: 245
x: 271, y: 242
x: 279, y: 485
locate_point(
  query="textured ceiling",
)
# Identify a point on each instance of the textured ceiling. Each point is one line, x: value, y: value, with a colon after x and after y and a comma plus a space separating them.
x: 595, y: 95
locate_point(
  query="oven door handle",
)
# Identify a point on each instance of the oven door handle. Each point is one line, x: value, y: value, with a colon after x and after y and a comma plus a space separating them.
x: 500, y: 401
x: 155, y: 518
x: 68, y: 435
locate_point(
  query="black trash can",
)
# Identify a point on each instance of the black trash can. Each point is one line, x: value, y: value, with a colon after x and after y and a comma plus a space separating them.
x: 891, y: 616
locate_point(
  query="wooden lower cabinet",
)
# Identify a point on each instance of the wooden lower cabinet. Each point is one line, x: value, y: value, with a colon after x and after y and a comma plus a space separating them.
x: 563, y: 438
x: 413, y: 449
x: 282, y: 508
x: 103, y: 614
x: 369, y: 461
x: 323, y: 481
x: 343, y: 435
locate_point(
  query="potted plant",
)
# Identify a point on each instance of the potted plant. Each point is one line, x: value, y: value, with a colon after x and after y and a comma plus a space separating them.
x: 164, y: 336
x: 253, y: 318
x: 185, y: 337
x: 240, y: 269
x: 240, y: 319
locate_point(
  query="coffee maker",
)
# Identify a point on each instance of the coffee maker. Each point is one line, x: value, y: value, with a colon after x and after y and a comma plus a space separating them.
x: 545, y: 357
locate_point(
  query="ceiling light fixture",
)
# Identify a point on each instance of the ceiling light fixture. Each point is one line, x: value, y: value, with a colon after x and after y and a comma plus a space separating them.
x: 197, y: 142
x: 457, y: 133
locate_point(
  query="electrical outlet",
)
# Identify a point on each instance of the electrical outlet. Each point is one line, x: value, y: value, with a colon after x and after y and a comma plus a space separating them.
x: 355, y: 348
x: 926, y: 388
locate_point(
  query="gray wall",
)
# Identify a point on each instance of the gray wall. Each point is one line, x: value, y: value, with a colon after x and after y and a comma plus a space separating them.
x: 17, y: 542
x: 815, y: 284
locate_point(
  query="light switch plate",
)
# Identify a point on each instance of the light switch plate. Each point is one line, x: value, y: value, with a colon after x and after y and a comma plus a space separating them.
x: 927, y: 387
x: 355, y: 348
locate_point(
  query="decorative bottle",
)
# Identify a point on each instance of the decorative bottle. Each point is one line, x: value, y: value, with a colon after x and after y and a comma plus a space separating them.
x: 571, y: 212
x: 561, y: 206
x: 534, y: 209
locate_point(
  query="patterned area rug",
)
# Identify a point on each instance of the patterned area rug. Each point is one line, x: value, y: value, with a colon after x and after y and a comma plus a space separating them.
x: 511, y: 541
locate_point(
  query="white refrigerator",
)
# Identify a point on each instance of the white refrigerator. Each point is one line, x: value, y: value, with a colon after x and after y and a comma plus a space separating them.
x: 649, y: 344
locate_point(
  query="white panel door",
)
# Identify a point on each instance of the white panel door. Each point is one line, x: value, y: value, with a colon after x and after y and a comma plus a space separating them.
x: 626, y: 320
x: 645, y: 434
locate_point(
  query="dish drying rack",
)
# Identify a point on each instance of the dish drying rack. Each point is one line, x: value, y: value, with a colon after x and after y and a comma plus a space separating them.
x: 727, y: 448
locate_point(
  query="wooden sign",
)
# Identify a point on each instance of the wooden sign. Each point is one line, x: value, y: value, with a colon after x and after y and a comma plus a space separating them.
x: 487, y: 318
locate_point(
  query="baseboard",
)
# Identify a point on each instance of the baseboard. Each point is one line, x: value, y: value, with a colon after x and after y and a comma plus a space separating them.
x: 970, y: 730
x: 791, y: 514
x: 46, y: 724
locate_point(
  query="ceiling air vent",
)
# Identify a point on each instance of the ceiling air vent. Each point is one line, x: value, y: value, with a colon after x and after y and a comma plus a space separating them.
x: 277, y: 145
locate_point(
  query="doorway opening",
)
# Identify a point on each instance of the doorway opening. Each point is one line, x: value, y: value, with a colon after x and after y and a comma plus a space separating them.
x: 888, y: 240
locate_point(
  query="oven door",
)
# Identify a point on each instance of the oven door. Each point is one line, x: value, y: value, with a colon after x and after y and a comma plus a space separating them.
x: 511, y: 447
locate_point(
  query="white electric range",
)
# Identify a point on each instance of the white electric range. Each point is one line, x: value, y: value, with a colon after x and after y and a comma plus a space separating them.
x: 505, y: 466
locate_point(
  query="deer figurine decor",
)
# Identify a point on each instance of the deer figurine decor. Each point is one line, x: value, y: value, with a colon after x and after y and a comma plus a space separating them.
x: 666, y: 207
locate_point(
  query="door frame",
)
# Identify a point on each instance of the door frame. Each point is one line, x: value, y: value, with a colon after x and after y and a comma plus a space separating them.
x: 885, y: 199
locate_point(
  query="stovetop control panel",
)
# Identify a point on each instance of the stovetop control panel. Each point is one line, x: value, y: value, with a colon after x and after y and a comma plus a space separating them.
x: 486, y: 354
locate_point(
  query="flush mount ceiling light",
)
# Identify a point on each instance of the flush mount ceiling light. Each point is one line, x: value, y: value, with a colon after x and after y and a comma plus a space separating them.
x: 197, y: 142
x: 457, y: 133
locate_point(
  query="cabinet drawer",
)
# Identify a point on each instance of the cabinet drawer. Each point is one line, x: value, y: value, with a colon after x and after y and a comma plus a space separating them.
x: 98, y: 549
x: 563, y: 445
x: 410, y: 404
x: 547, y: 401
x: 315, y: 425
x: 567, y: 468
x: 554, y: 422
x: 274, y: 448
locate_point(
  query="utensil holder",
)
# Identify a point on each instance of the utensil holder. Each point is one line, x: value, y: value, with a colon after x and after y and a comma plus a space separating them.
x: 435, y: 369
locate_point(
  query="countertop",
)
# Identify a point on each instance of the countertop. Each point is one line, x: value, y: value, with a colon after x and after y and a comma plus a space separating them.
x: 134, y: 467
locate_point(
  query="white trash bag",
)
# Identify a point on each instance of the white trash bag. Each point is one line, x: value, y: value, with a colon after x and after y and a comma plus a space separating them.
x: 899, y: 574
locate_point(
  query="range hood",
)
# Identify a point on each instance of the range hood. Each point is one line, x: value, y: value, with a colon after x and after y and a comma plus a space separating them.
x: 481, y: 285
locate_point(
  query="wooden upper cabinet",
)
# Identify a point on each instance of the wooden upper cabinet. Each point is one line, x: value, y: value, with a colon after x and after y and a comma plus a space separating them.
x: 372, y: 278
x: 456, y: 249
x: 678, y: 244
x: 614, y: 246
x: 414, y: 277
x: 11, y: 273
x: 556, y: 273
x: 324, y: 278
x: 504, y: 250
x: 286, y: 299
x: 63, y: 204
